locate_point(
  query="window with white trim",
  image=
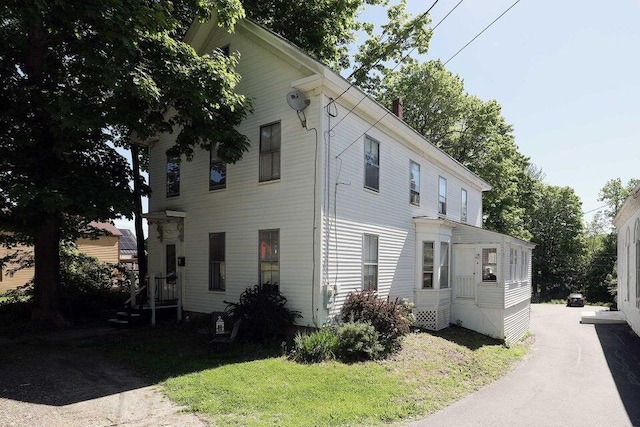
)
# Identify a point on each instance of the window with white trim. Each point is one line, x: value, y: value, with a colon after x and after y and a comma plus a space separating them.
x: 217, y: 276
x: 442, y: 196
x: 628, y: 263
x: 371, y: 164
x: 269, y: 257
x: 270, y: 152
x: 173, y: 176
x: 512, y: 264
x: 637, y: 235
x: 370, y: 262
x: 444, y: 265
x: 489, y: 264
x: 427, y: 265
x: 463, y: 205
x: 217, y: 171
x: 414, y: 184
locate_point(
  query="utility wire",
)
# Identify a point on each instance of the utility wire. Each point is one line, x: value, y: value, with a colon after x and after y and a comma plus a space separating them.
x: 480, y: 33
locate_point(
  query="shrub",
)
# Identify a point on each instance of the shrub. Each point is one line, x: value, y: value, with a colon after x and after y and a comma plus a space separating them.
x: 391, y: 319
x: 358, y: 341
x: 263, y: 313
x: 316, y: 347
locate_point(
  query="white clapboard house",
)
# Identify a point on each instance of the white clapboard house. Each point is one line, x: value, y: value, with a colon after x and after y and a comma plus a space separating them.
x: 627, y: 223
x: 336, y: 194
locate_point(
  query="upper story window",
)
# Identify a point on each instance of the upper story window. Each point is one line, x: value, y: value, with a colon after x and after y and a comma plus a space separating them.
x: 371, y: 164
x: 173, y: 176
x: 269, y: 257
x: 427, y: 265
x: 216, y: 262
x: 442, y: 196
x: 217, y: 171
x: 270, y: 152
x: 370, y: 262
x: 414, y: 186
x: 463, y: 202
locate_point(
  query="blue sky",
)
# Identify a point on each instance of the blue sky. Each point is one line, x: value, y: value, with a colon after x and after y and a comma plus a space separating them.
x: 567, y: 74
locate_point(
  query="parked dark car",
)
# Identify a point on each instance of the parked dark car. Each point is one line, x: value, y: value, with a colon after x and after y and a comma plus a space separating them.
x: 575, y: 299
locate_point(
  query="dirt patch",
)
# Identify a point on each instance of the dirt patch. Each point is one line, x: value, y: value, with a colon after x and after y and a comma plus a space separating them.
x: 62, y: 384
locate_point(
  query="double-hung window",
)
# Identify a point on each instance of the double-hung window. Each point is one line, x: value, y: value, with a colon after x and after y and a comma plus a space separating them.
x: 414, y: 184
x: 270, y: 152
x: 637, y: 235
x: 489, y: 264
x: 371, y: 164
x: 217, y: 171
x: 463, y: 209
x: 444, y: 265
x: 173, y: 176
x: 427, y: 265
x: 217, y: 262
x: 442, y: 196
x: 370, y: 262
x: 269, y: 257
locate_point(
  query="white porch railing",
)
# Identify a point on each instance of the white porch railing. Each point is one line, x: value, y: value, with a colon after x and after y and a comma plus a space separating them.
x: 163, y: 290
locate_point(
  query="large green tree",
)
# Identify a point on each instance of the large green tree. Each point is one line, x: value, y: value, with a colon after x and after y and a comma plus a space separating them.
x: 470, y: 130
x: 614, y: 193
x: 556, y: 225
x: 81, y: 77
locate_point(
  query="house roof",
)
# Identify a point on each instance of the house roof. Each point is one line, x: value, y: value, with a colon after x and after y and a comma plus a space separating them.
x: 128, y: 244
x: 105, y: 226
x: 200, y: 34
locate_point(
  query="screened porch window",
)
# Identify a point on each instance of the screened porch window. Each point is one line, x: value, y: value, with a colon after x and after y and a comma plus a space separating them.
x: 427, y: 265
x: 463, y: 202
x: 370, y: 262
x: 489, y: 264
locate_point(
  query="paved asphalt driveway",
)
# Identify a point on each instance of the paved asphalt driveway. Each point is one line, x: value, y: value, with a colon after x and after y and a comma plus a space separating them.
x: 575, y: 375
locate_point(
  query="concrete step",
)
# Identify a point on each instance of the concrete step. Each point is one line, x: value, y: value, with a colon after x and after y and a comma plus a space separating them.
x: 602, y: 317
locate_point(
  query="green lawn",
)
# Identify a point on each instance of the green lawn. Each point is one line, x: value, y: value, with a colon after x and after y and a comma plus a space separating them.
x: 248, y: 386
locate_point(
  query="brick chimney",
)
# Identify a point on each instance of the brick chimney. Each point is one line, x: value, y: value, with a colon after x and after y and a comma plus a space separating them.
x: 396, y: 108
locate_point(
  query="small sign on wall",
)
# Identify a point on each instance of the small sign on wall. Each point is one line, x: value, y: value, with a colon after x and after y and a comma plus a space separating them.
x: 181, y: 261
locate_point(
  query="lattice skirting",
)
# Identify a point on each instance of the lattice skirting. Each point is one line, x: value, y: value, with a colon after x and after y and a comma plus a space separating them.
x: 433, y: 318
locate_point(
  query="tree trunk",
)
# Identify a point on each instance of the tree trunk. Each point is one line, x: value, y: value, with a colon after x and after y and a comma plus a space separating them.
x: 47, y: 307
x: 137, y: 200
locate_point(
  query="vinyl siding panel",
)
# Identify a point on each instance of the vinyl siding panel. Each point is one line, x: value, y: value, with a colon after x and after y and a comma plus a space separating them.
x: 516, y: 321
x: 105, y: 248
x: 627, y: 269
x: 491, y: 296
x: 20, y: 277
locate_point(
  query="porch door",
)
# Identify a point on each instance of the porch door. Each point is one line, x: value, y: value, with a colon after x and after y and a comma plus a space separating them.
x: 467, y: 271
x: 170, y: 263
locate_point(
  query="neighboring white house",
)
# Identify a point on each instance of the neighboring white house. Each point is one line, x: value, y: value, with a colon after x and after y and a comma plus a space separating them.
x: 353, y: 199
x: 627, y: 223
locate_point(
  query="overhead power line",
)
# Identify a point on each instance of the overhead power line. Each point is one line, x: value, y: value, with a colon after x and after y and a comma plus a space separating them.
x: 480, y: 33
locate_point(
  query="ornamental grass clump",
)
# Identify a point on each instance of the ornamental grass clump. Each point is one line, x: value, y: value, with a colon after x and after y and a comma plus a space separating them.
x: 390, y: 318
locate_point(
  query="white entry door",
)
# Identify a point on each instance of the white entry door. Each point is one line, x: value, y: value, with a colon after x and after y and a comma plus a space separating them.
x: 466, y: 271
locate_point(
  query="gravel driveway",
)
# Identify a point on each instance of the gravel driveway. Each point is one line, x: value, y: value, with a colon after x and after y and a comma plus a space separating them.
x: 47, y: 383
x: 576, y: 375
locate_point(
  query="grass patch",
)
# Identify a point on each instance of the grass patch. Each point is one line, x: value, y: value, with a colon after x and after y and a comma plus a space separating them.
x: 256, y: 387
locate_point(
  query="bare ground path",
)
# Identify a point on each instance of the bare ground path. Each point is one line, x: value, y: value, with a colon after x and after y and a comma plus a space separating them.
x: 57, y: 383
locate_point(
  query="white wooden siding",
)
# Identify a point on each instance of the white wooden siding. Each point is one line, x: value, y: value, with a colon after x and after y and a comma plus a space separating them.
x: 246, y: 205
x: 627, y: 292
x: 488, y: 321
x: 516, y: 321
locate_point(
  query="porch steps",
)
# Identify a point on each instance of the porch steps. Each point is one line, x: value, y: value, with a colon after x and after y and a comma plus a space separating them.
x: 125, y: 320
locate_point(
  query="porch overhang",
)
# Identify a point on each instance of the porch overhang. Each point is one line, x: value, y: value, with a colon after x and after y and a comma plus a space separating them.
x: 169, y: 223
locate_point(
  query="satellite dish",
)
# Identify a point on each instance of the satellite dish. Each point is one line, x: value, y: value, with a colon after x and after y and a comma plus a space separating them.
x: 297, y: 100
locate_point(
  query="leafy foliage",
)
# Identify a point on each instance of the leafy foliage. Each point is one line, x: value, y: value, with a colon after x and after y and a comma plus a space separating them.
x: 263, y: 313
x: 318, y: 346
x: 556, y: 225
x: 82, y: 77
x: 614, y: 193
x: 390, y: 319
